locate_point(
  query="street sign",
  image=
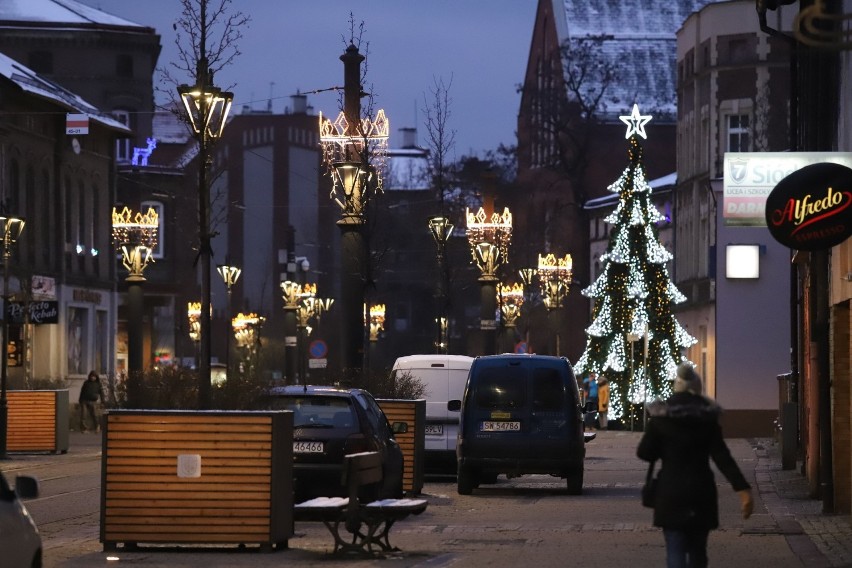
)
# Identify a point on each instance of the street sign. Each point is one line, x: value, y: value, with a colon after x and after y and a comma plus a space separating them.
x: 76, y: 124
x: 317, y: 363
x: 318, y: 349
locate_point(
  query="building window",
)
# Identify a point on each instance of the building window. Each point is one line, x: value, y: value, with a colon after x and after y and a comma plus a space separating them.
x: 161, y: 231
x: 124, y: 65
x: 123, y: 153
x: 738, y: 133
x: 41, y: 62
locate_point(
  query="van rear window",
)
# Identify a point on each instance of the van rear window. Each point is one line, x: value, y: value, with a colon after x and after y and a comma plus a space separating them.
x: 501, y: 387
x: 547, y: 389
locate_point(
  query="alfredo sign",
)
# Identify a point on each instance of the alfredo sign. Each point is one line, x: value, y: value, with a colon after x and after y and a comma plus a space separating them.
x: 749, y: 177
x: 811, y: 209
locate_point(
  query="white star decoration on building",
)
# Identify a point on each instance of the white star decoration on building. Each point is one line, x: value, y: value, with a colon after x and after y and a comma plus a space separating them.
x: 635, y: 122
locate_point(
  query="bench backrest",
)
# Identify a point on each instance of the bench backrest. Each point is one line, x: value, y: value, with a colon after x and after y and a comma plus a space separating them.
x: 359, y: 469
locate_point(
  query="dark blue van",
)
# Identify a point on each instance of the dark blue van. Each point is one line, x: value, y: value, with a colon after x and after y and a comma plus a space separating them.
x: 521, y: 414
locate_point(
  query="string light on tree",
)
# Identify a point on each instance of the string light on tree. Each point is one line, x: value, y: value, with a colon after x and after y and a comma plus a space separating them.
x: 633, y: 296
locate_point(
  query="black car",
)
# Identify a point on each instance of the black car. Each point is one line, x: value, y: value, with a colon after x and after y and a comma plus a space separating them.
x: 329, y: 423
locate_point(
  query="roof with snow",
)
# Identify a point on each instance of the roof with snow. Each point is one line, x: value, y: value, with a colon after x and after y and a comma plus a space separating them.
x: 641, y: 40
x: 408, y: 169
x: 60, y: 13
x: 31, y: 82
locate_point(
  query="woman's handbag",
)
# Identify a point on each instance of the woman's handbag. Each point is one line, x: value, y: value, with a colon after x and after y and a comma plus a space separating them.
x: 649, y: 490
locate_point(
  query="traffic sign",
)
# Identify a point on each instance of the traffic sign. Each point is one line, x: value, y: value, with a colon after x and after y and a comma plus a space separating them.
x: 318, y: 349
x: 521, y: 347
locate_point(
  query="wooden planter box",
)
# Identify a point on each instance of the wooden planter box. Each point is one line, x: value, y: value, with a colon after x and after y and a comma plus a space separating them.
x: 38, y: 421
x: 413, y: 442
x: 186, y: 477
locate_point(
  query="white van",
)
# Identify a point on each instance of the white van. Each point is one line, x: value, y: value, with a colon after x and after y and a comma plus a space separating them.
x: 444, y: 377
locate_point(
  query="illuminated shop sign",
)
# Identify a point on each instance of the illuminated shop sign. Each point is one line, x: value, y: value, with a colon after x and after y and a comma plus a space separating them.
x: 811, y: 209
x: 749, y: 177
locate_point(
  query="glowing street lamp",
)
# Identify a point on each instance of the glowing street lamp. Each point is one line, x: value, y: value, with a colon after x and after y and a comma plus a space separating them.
x: 230, y: 275
x: 11, y: 227
x: 441, y: 229
x: 489, y: 238
x: 354, y: 150
x: 377, y: 321
x: 207, y: 109
x: 554, y: 277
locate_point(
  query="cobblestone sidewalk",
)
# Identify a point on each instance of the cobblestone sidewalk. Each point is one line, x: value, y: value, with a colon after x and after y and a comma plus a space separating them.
x: 819, y: 540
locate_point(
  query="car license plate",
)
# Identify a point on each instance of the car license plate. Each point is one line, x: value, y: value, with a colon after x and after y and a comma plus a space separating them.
x: 489, y: 426
x: 434, y: 429
x: 307, y: 447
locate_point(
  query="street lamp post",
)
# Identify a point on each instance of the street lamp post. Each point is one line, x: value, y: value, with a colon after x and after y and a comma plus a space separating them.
x: 554, y: 276
x: 247, y: 335
x: 230, y: 275
x: 136, y: 237
x: 11, y: 228
x: 441, y: 229
x: 207, y: 109
x: 489, y: 239
x: 353, y: 147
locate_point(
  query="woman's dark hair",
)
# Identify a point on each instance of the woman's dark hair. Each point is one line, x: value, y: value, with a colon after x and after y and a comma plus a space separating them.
x: 92, y: 374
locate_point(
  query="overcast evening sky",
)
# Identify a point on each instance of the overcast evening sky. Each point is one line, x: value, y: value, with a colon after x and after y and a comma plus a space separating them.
x: 482, y: 45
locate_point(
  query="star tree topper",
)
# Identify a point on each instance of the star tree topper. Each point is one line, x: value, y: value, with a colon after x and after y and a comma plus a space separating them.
x: 635, y: 122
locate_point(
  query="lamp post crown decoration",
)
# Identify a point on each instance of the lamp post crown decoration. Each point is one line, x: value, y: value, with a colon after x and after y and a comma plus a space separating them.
x: 555, y: 275
x: 377, y: 321
x: 355, y: 155
x: 193, y: 313
x: 511, y: 299
x: 489, y: 238
x: 135, y: 237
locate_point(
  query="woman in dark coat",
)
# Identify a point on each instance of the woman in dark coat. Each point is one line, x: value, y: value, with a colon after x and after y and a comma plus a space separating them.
x: 684, y: 433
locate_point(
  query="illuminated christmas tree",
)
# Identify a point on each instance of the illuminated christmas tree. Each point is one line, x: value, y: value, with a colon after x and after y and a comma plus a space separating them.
x: 634, y: 339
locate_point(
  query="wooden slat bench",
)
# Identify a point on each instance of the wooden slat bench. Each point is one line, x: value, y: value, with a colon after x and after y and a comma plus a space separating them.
x: 370, y: 523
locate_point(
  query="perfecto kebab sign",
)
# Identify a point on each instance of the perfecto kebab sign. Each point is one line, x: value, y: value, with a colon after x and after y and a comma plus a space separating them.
x: 811, y: 208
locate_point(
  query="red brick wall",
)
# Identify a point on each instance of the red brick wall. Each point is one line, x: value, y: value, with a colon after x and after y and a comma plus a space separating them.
x: 841, y: 405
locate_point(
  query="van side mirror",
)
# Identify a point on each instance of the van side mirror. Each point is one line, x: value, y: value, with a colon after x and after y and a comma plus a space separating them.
x: 399, y: 427
x: 454, y: 405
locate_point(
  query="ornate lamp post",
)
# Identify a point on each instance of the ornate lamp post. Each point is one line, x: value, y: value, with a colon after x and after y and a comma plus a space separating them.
x: 489, y: 243
x: 230, y: 275
x: 304, y: 313
x: 292, y: 294
x: 135, y: 237
x: 554, y: 277
x: 353, y: 149
x: 247, y: 334
x: 377, y: 321
x: 207, y: 109
x: 193, y: 314
x: 11, y: 228
x: 441, y: 229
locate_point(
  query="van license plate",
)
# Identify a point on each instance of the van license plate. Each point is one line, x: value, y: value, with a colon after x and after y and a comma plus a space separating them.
x: 501, y: 426
x: 434, y: 429
x: 307, y: 447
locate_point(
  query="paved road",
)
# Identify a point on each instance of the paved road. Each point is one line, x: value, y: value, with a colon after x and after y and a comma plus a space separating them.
x: 522, y: 522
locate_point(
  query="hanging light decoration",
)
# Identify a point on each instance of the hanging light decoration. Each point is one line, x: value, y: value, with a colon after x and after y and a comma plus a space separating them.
x: 489, y: 239
x: 511, y: 297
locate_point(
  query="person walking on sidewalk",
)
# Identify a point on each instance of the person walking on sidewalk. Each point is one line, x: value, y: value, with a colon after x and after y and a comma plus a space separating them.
x: 90, y: 394
x: 684, y: 433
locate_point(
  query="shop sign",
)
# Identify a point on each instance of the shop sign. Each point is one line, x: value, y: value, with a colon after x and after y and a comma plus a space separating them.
x: 811, y: 209
x: 749, y: 178
x: 44, y: 311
